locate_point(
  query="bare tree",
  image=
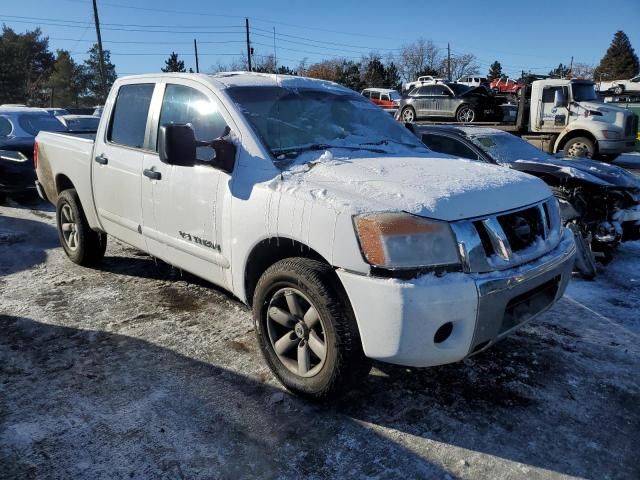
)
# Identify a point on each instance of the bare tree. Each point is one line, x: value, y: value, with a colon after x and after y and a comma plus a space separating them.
x: 461, y: 65
x: 418, y: 57
x: 583, y: 70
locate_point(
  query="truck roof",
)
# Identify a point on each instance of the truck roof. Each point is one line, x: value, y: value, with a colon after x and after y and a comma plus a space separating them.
x: 245, y: 79
x: 563, y: 81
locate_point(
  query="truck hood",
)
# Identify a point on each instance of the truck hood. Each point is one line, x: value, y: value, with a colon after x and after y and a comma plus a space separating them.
x: 435, y: 187
x: 585, y: 171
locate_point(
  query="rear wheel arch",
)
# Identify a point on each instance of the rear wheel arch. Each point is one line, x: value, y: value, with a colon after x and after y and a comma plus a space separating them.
x: 63, y: 183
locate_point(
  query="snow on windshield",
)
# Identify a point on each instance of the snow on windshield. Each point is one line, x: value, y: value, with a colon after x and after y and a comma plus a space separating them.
x: 291, y: 121
x: 507, y: 148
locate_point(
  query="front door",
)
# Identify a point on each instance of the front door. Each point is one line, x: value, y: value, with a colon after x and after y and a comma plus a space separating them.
x: 183, y: 205
x: 554, y: 118
x: 119, y: 156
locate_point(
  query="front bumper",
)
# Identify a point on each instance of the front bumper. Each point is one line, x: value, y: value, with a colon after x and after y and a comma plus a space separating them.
x: 398, y: 319
x: 617, y: 146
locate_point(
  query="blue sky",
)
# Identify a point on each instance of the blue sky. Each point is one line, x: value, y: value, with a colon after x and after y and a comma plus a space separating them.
x: 521, y: 35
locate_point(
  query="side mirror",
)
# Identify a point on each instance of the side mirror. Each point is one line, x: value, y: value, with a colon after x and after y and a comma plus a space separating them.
x: 177, y: 145
x: 225, y: 158
x: 559, y: 100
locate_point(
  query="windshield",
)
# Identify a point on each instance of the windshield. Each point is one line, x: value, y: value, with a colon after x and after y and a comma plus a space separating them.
x: 32, y: 124
x: 394, y: 95
x: 507, y: 148
x: 88, y: 124
x: 583, y: 92
x: 290, y: 121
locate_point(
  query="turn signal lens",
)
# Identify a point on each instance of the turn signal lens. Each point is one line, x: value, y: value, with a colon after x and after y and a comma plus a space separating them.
x: 401, y: 240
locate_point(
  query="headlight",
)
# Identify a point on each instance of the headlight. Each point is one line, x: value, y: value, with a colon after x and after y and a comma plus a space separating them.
x: 401, y: 240
x: 611, y: 135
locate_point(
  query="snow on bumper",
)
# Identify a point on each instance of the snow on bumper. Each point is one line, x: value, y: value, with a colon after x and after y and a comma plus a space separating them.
x: 398, y: 319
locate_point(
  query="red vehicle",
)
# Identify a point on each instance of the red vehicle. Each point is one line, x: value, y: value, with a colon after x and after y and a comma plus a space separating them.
x: 506, y: 85
x: 385, y: 98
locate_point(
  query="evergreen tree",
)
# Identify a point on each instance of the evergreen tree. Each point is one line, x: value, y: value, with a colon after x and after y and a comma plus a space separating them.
x: 620, y: 62
x: 93, y: 81
x: 25, y: 64
x: 374, y: 74
x: 66, y: 81
x: 495, y: 71
x: 172, y: 64
x: 348, y: 74
x: 392, y: 77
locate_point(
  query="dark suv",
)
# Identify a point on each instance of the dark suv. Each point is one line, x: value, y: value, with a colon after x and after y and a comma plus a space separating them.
x: 450, y: 100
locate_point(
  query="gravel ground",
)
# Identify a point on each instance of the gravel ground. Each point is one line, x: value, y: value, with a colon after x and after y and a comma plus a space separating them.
x: 136, y: 370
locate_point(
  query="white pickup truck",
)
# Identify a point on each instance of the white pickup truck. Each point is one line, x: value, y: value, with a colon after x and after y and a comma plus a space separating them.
x: 348, y: 237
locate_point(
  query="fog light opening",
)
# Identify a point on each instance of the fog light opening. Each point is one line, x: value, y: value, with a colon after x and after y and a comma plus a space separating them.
x: 443, y: 332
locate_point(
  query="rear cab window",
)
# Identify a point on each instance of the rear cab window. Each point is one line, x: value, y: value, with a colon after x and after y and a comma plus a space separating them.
x: 128, y: 122
x: 448, y: 145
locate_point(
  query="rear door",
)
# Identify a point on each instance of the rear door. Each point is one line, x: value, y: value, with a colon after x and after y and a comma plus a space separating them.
x: 119, y: 153
x: 183, y: 206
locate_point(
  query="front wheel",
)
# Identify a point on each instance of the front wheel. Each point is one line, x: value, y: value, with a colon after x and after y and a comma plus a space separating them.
x: 579, y: 147
x: 82, y: 245
x: 306, y: 329
x: 618, y: 89
x: 585, y: 259
x: 466, y: 114
x: 408, y: 115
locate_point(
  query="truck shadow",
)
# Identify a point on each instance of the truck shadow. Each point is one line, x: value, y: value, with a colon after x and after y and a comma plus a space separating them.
x: 92, y: 404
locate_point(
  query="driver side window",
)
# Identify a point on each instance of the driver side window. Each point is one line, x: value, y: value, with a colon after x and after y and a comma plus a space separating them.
x: 183, y: 104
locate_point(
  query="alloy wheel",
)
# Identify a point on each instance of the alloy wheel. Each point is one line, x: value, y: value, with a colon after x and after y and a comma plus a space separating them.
x: 408, y: 115
x: 69, y: 227
x: 466, y: 115
x: 296, y: 332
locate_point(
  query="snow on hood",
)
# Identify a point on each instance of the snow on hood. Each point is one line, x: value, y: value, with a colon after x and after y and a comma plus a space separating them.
x: 435, y: 187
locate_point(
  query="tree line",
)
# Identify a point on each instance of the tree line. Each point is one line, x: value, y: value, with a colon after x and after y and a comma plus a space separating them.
x: 31, y: 74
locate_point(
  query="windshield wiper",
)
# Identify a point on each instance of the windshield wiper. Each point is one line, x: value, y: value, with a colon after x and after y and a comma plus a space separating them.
x: 389, y: 140
x: 295, y: 151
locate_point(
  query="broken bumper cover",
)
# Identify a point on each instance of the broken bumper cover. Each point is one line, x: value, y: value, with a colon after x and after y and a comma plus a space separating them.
x: 398, y: 319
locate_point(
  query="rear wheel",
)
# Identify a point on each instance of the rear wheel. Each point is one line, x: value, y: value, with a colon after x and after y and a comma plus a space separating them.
x: 618, y: 89
x: 306, y: 329
x: 408, y: 115
x: 579, y: 147
x: 466, y: 114
x: 82, y: 245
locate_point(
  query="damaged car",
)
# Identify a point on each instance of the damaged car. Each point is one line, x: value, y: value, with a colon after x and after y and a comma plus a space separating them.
x: 599, y: 202
x: 449, y: 100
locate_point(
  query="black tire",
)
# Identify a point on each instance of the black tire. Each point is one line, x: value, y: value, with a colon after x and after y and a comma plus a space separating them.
x: 408, y: 115
x: 87, y: 246
x: 345, y: 364
x: 618, y: 89
x: 466, y: 114
x: 585, y: 260
x: 579, y: 147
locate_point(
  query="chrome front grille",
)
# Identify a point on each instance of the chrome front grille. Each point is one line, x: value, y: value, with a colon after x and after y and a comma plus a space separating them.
x: 508, y: 239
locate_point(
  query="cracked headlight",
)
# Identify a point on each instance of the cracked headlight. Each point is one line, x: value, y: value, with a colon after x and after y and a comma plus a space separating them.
x: 401, y: 240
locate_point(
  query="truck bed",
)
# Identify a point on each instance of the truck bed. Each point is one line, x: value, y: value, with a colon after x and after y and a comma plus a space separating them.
x: 65, y: 158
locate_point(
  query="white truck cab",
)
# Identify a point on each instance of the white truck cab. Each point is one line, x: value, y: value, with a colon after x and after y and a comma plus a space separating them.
x: 577, y: 121
x: 348, y: 238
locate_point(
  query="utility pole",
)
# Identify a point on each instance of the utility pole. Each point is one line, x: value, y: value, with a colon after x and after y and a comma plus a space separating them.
x: 103, y: 80
x: 448, y: 61
x: 275, y: 57
x: 571, y: 67
x: 246, y: 23
x: 195, y: 47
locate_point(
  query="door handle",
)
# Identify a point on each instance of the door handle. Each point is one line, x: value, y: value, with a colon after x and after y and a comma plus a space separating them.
x: 102, y: 160
x: 152, y: 174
